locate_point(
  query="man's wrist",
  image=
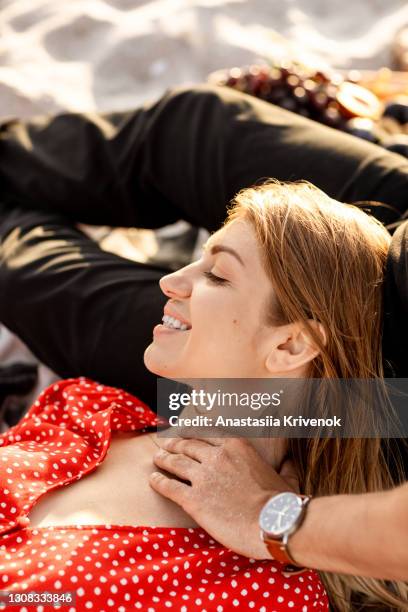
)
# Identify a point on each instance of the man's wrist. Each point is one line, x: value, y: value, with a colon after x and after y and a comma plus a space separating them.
x: 313, y: 545
x: 279, y: 548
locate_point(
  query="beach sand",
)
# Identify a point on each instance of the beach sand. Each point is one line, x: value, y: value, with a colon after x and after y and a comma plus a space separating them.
x: 114, y: 54
x: 84, y: 55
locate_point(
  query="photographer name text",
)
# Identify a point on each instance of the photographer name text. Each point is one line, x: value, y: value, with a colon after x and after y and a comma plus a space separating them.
x: 248, y: 421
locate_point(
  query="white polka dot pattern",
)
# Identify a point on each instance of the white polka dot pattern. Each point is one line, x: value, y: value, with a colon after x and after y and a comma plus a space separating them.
x: 110, y: 567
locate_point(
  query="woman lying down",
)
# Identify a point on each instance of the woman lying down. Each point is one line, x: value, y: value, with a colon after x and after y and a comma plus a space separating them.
x: 289, y: 287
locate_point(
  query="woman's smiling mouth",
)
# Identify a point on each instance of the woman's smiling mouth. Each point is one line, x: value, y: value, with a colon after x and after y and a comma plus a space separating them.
x: 174, y: 323
x: 171, y: 324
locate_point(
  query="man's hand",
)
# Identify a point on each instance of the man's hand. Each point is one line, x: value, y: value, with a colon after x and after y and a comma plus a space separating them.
x: 230, y: 482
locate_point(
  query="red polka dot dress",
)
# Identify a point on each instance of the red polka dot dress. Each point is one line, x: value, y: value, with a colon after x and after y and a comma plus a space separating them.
x: 116, y: 568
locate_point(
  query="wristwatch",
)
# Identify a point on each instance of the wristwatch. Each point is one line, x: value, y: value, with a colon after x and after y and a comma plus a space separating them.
x: 280, y: 517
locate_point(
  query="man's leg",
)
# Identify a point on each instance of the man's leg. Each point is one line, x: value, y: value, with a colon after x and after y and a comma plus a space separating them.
x: 82, y: 311
x: 185, y: 156
x: 182, y: 157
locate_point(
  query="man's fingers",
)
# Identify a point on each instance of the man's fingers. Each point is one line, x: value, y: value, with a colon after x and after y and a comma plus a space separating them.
x: 176, y: 464
x: 169, y: 487
x: 195, y: 449
x: 206, y: 434
x: 289, y: 474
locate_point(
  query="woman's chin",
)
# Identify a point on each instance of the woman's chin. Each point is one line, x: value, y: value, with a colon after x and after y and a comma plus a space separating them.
x: 150, y: 361
x: 157, y: 363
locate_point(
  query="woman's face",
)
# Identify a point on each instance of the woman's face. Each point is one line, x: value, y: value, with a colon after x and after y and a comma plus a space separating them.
x: 222, y: 299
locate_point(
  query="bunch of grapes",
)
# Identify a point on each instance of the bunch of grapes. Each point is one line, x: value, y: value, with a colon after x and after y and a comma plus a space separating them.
x: 327, y: 97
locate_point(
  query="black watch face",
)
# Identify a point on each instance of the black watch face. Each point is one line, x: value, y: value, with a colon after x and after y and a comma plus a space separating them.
x: 280, y: 513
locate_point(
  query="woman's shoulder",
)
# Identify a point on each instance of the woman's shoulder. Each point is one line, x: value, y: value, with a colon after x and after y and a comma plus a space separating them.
x: 64, y: 435
x: 75, y: 404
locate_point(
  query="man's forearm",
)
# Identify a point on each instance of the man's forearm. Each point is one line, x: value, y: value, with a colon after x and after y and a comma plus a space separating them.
x: 364, y: 535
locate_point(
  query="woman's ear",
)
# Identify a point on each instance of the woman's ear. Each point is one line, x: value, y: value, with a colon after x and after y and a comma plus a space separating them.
x: 293, y: 347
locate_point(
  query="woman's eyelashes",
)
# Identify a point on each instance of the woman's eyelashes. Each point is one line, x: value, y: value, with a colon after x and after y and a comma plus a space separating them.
x: 217, y: 280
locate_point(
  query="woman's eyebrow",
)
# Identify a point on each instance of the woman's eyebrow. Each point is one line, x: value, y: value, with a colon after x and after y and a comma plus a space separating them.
x: 219, y: 248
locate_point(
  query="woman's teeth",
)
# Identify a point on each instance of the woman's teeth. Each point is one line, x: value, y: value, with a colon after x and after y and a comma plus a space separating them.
x: 173, y: 323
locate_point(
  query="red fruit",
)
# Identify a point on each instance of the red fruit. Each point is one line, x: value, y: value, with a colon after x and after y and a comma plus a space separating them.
x: 322, y: 77
x: 356, y: 101
x: 275, y: 75
x: 319, y: 99
x: 264, y: 90
x: 332, y: 116
x: 309, y: 85
x: 300, y: 95
x: 293, y: 81
x: 277, y: 94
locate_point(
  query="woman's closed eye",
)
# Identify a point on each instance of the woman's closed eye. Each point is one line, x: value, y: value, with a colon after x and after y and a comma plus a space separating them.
x: 217, y: 280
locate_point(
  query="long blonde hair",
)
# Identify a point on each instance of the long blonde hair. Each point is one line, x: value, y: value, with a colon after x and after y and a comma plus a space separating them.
x: 326, y: 261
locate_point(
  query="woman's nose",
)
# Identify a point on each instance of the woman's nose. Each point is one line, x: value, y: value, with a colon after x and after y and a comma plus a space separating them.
x: 176, y: 284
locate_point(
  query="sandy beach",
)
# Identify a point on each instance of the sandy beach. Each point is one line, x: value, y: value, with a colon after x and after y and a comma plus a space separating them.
x: 86, y: 55
x: 114, y: 54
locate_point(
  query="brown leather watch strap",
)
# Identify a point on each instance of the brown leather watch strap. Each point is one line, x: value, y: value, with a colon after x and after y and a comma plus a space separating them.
x: 280, y: 553
x: 278, y: 548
